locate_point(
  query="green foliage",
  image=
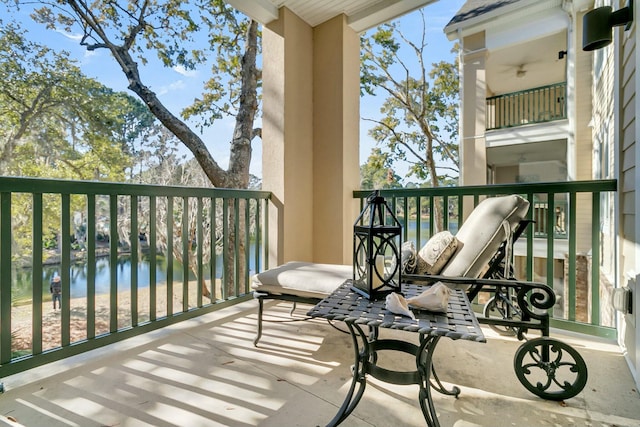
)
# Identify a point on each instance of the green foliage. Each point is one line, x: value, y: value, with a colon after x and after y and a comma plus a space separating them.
x: 377, y: 173
x: 419, y: 116
x: 55, y: 122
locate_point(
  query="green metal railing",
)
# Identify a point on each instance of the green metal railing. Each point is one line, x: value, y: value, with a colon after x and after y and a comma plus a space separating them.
x: 206, y: 242
x: 536, y: 105
x: 558, y: 262
x: 55, y: 222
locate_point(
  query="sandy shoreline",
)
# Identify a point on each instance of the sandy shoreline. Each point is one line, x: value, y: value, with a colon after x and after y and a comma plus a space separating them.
x: 21, y: 316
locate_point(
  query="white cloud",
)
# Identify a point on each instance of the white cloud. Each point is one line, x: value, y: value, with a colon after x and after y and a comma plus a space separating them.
x: 76, y: 37
x: 172, y: 87
x: 183, y: 71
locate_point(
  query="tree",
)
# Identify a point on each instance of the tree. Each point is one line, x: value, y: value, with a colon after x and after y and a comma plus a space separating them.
x: 377, y: 173
x: 53, y: 115
x: 56, y: 122
x: 132, y: 30
x: 419, y: 122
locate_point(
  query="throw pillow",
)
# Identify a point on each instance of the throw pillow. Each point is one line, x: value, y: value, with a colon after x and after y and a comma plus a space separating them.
x: 435, y: 254
x: 408, y: 257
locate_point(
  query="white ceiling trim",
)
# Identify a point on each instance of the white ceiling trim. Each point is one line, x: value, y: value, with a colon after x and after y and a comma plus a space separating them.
x: 262, y: 11
x: 383, y: 12
x: 361, y: 14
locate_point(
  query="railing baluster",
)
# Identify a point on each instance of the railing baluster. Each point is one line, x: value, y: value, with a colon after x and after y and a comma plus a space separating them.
x: 36, y: 292
x: 236, y: 242
x: 247, y: 243
x: 595, y: 256
x: 186, y: 252
x: 153, y: 258
x: 265, y: 221
x: 213, y: 259
x: 550, y: 245
x: 91, y: 266
x: 169, y: 256
x: 5, y: 277
x: 200, y: 243
x: 572, y: 254
x: 65, y: 265
x: 258, y: 239
x: 133, y: 244
x: 225, y: 248
x: 113, y: 255
x: 530, y: 235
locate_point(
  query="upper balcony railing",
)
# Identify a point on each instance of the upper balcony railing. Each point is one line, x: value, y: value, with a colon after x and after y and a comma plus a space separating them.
x: 132, y: 258
x: 569, y: 259
x: 536, y: 105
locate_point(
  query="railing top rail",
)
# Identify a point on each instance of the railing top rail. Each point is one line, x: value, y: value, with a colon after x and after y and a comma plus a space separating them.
x: 532, y: 89
x: 499, y: 189
x: 60, y: 186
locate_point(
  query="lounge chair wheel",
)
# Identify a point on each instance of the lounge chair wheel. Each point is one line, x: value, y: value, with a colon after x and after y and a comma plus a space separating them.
x: 500, y: 308
x: 540, y: 367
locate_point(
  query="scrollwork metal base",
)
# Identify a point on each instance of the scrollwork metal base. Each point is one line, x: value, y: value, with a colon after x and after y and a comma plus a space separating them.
x: 366, y: 347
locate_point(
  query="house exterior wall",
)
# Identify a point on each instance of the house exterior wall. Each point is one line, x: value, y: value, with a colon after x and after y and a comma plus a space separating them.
x: 615, y: 155
x: 627, y: 156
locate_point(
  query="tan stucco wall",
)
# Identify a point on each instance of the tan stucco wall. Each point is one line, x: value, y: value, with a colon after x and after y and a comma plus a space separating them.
x: 287, y: 160
x: 310, y: 138
x: 336, y: 93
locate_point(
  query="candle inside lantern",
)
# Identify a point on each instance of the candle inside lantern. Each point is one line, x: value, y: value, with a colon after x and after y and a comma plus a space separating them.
x: 376, y: 280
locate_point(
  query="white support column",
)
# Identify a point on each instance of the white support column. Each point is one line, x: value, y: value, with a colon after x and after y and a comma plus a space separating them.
x: 473, y: 147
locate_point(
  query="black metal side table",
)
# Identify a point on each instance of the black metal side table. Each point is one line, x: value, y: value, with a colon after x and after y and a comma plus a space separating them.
x: 459, y: 322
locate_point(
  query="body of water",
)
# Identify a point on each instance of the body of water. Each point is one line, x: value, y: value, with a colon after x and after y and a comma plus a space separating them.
x: 22, y: 278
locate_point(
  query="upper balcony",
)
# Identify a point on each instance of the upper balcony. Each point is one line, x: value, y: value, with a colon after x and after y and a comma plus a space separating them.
x: 536, y: 105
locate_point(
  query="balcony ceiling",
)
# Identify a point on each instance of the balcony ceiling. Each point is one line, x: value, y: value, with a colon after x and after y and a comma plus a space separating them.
x: 528, y: 65
x: 361, y: 14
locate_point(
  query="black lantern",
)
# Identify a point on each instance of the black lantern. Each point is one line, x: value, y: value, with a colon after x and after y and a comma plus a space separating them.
x: 376, y: 250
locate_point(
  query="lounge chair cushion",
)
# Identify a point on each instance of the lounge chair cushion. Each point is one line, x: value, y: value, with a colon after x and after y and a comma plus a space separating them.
x: 302, y: 279
x: 480, y: 236
x: 435, y: 254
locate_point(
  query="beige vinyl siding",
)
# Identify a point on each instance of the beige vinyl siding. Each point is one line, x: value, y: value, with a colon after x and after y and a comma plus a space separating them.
x: 628, y: 147
x: 628, y: 181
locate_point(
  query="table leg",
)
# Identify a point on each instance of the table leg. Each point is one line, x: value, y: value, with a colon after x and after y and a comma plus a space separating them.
x: 439, y: 387
x: 424, y: 363
x: 363, y: 352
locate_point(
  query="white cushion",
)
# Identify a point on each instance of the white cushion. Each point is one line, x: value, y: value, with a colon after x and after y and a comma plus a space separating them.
x: 302, y: 279
x: 482, y: 233
x: 435, y: 254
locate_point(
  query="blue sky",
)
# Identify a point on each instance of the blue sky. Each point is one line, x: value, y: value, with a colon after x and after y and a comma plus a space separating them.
x: 177, y: 88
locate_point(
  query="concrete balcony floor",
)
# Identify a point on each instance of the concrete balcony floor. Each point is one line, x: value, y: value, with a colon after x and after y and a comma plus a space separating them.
x: 206, y: 372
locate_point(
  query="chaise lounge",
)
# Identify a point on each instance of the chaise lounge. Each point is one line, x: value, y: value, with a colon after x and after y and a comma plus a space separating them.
x: 476, y: 259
